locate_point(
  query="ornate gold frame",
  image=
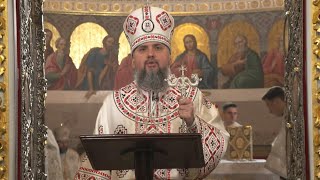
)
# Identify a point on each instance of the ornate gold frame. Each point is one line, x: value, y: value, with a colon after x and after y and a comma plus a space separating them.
x: 33, y: 84
x: 315, y: 87
x: 4, y: 114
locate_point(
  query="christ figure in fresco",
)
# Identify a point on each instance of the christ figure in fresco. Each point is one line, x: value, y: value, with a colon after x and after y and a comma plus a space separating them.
x: 196, y: 62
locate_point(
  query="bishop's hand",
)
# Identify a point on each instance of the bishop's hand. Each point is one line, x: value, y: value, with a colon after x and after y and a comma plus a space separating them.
x: 186, y: 110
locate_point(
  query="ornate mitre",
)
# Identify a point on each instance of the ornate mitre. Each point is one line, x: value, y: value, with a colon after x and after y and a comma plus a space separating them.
x: 148, y: 24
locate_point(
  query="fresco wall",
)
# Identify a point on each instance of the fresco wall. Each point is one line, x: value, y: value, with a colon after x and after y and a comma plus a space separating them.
x: 235, y: 51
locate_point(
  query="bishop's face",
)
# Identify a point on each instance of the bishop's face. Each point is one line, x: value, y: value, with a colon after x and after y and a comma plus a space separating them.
x: 151, y: 57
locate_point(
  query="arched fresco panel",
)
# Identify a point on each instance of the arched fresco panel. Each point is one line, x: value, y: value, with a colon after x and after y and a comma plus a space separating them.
x: 83, y: 38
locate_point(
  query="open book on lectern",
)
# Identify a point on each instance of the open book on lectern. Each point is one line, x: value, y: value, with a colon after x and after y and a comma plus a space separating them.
x: 117, y: 151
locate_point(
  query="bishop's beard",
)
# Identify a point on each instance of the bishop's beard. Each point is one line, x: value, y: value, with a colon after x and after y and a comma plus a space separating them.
x: 154, y: 81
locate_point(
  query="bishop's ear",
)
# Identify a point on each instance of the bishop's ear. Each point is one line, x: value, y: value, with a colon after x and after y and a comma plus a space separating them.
x: 133, y: 63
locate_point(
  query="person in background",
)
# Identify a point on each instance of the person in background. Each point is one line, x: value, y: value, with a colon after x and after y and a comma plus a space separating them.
x: 69, y: 158
x: 230, y: 115
x: 148, y: 105
x: 53, y: 167
x: 276, y: 161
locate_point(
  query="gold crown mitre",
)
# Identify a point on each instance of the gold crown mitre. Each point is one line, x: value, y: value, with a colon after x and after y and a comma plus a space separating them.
x: 148, y: 24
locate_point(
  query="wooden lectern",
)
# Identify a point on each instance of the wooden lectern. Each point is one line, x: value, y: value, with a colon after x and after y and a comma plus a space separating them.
x: 144, y: 152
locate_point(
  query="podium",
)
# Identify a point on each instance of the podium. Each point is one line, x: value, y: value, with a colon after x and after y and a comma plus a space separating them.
x: 144, y: 152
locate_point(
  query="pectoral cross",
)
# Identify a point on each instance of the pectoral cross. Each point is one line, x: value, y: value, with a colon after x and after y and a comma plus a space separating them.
x: 183, y: 82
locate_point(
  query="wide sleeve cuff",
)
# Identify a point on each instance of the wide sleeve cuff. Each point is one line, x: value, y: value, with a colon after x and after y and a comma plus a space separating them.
x: 193, y: 128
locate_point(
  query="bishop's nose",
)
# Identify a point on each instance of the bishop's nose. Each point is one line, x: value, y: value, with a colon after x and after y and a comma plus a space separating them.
x: 150, y: 52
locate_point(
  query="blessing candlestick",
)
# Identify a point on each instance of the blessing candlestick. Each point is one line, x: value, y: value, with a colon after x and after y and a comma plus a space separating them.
x: 183, y: 82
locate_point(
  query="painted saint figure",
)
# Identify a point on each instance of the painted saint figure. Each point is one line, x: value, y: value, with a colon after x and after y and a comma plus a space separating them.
x: 244, y: 68
x: 98, y: 67
x: 273, y: 66
x: 61, y: 73
x: 196, y: 62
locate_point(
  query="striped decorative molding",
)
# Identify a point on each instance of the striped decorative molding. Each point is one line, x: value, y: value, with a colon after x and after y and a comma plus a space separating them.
x: 176, y: 7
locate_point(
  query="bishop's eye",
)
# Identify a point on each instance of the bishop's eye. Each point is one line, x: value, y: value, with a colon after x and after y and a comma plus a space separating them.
x: 159, y: 47
x: 142, y: 48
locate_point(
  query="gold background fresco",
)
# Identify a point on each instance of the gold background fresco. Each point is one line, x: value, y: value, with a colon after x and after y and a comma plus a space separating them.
x: 87, y: 36
x: 183, y: 7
